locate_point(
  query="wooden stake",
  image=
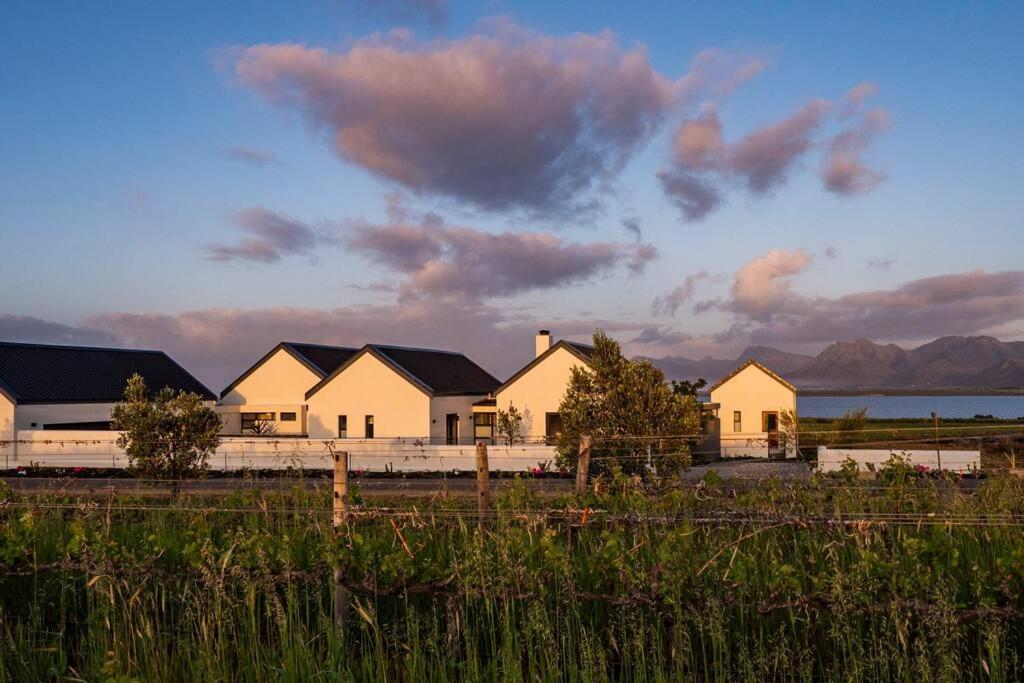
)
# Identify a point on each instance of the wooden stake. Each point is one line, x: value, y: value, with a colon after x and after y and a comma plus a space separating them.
x: 340, y: 512
x: 340, y: 488
x: 483, y: 475
x: 583, y: 466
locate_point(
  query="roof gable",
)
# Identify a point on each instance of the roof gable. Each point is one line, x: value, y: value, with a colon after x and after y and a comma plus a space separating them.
x: 755, y: 364
x: 434, y: 372
x: 44, y: 373
x: 584, y: 352
x: 319, y: 359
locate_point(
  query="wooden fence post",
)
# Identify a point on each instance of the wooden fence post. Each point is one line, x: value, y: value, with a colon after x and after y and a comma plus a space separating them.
x: 340, y: 512
x: 583, y: 466
x: 483, y: 474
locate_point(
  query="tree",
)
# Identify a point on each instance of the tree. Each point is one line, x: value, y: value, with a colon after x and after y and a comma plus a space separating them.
x: 629, y: 410
x: 687, y: 388
x: 168, y: 434
x: 509, y: 423
x: 789, y: 426
x: 845, y: 426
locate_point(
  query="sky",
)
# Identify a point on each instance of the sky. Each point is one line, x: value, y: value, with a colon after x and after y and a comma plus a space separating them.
x: 212, y: 178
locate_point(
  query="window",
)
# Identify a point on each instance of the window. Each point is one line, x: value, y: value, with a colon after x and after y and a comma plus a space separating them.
x: 257, y: 423
x: 287, y: 417
x: 343, y: 426
x: 552, y: 427
x: 369, y: 427
x: 737, y: 421
x: 483, y: 426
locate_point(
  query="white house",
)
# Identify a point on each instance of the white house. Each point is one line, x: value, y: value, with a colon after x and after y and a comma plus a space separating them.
x: 392, y: 392
x: 536, y: 391
x: 270, y: 397
x: 750, y: 400
x: 73, y: 387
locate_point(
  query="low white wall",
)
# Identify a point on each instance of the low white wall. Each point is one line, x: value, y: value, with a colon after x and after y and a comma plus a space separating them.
x: 832, y: 459
x: 59, y: 448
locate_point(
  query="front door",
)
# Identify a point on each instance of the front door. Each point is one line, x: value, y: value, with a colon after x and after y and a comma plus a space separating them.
x: 451, y: 432
x: 770, y: 425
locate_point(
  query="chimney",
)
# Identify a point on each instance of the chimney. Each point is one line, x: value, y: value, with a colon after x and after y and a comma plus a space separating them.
x: 543, y: 342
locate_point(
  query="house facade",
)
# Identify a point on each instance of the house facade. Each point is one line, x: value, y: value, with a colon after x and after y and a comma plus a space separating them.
x: 46, y: 386
x: 270, y: 397
x: 750, y: 402
x: 537, y: 390
x: 399, y: 393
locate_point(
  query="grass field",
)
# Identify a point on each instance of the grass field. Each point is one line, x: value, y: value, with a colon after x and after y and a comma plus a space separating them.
x: 909, y: 578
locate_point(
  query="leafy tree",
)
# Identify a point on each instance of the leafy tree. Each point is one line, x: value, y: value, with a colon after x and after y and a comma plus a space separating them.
x: 629, y: 410
x: 508, y: 425
x: 789, y: 426
x: 169, y: 434
x: 853, y: 420
x: 687, y: 388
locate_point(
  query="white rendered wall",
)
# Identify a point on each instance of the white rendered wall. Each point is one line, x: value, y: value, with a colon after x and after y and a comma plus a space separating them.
x: 539, y: 391
x: 751, y: 392
x: 370, y: 387
x: 442, y: 406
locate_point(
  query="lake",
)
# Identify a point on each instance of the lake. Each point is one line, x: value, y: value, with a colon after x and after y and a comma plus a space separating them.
x: 912, y: 406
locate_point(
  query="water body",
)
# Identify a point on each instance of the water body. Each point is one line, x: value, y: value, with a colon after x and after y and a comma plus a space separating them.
x: 912, y: 406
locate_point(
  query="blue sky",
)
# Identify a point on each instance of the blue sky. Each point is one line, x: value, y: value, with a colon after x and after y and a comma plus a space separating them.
x: 117, y: 123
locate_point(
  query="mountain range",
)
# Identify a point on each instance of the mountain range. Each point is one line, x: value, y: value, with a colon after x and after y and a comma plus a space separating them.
x: 946, y: 363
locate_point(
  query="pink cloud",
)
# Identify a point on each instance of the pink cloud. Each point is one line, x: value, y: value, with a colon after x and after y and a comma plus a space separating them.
x: 451, y: 261
x: 272, y: 236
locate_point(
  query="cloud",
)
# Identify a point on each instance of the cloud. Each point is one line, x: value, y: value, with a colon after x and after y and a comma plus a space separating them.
x: 507, y: 119
x: 632, y: 226
x: 440, y: 260
x: 831, y: 253
x: 274, y: 236
x: 768, y: 310
x: 764, y: 157
x: 703, y: 163
x: 24, y: 328
x: 693, y: 196
x: 660, y: 336
x: 251, y: 155
x: 880, y: 263
x: 843, y: 170
x: 672, y: 301
x: 764, y: 283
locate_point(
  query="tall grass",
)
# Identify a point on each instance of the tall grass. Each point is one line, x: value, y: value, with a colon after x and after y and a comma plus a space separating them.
x: 778, y: 591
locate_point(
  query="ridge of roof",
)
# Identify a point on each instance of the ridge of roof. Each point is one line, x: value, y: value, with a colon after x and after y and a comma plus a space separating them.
x: 415, y: 376
x: 77, y: 347
x: 575, y: 348
x: 752, y: 363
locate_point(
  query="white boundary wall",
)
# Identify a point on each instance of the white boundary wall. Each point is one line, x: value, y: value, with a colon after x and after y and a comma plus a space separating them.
x: 832, y: 459
x: 60, y: 448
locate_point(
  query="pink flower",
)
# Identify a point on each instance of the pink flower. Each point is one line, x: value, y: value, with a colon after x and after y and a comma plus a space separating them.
x: 536, y: 471
x: 921, y: 468
x: 78, y: 470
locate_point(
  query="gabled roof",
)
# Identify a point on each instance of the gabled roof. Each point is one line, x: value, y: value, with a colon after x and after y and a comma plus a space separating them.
x: 434, y: 372
x: 44, y: 373
x: 319, y: 359
x: 582, y: 351
x: 757, y: 365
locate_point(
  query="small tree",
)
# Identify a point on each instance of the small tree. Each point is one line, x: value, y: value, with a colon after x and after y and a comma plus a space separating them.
x: 789, y: 425
x: 509, y: 425
x: 854, y: 420
x: 168, y: 434
x: 629, y: 410
x: 688, y: 388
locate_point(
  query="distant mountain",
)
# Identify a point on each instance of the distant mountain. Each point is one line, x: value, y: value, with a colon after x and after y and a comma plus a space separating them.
x: 948, y: 362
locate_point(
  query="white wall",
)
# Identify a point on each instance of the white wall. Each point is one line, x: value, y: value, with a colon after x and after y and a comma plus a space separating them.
x: 370, y: 387
x: 832, y: 459
x: 7, y: 429
x: 98, y: 449
x: 540, y: 391
x: 279, y: 385
x: 59, y: 413
x: 441, y: 406
x: 751, y: 392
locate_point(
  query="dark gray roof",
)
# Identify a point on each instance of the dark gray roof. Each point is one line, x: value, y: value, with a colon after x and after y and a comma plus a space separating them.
x: 320, y: 359
x: 41, y: 373
x: 327, y: 358
x: 438, y: 373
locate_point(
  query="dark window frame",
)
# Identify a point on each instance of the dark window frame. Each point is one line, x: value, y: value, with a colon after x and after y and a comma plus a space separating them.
x: 368, y: 427
x: 343, y: 426
x: 737, y: 421
x: 249, y: 420
x: 289, y: 416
